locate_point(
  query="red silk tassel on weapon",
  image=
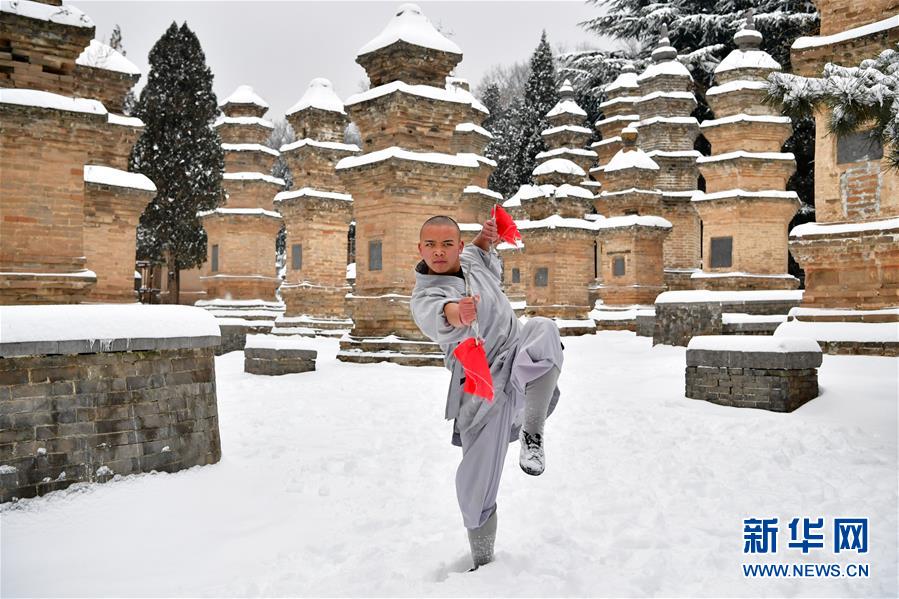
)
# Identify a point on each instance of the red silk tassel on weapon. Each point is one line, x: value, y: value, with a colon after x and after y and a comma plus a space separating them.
x: 505, y: 226
x: 478, y: 380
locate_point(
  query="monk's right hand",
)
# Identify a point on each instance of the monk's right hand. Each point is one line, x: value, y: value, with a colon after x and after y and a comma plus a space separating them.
x: 468, y: 309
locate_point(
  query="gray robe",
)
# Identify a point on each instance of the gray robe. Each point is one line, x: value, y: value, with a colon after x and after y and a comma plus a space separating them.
x: 517, y: 355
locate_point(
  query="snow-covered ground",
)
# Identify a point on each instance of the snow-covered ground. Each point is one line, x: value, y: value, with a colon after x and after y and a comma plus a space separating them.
x: 340, y: 482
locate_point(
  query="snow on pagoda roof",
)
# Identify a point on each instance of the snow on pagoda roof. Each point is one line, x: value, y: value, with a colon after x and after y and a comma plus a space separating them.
x: 737, y: 85
x: 567, y: 107
x: 312, y: 192
x: 633, y: 220
x: 100, y: 56
x: 64, y: 15
x: 240, y: 212
x: 559, y: 165
x: 104, y: 175
x: 671, y: 120
x: 557, y: 222
x: 450, y: 93
x: 747, y: 59
x: 466, y: 127
x: 744, y: 154
x: 602, y: 142
x: 320, y: 94
x: 410, y: 25
x: 243, y: 120
x: 40, y: 99
x: 837, y: 228
x: 672, y: 95
x: 621, y: 100
x: 844, y: 36
x: 668, y: 67
x: 625, y: 159
x: 614, y: 119
x: 249, y: 148
x: 746, y: 118
x: 487, y: 192
x: 563, y: 151
x: 566, y: 190
x: 701, y: 196
x: 675, y: 153
x: 244, y: 95
x: 529, y: 192
x: 251, y: 176
x: 624, y: 80
x: 571, y: 128
x: 331, y: 145
x: 462, y: 159
x: 126, y: 121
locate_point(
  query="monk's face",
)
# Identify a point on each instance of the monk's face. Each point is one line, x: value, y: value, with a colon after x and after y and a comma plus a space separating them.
x: 440, y: 246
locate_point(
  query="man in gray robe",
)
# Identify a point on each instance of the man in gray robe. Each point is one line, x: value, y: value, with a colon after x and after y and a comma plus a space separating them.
x: 525, y: 362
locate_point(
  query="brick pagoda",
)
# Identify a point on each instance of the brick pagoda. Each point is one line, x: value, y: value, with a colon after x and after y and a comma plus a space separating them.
x: 241, y: 234
x: 412, y: 122
x: 69, y: 208
x: 745, y: 209
x: 317, y: 215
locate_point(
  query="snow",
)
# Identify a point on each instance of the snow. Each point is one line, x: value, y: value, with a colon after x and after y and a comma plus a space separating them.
x: 243, y: 120
x: 674, y: 154
x: 746, y: 118
x: 410, y: 25
x: 80, y: 274
x: 529, y: 191
x: 623, y: 118
x: 320, y: 94
x: 669, y: 95
x: 684, y: 297
x: 847, y: 35
x: 240, y: 212
x: 463, y: 159
x: 566, y: 107
x: 39, y: 99
x: 240, y: 303
x: 125, y: 121
x: 249, y: 148
x: 99, y: 55
x: 279, y: 342
x: 487, y: 192
x: 64, y: 15
x: 470, y: 227
x: 739, y: 85
x: 19, y: 324
x: 467, y: 127
x: 311, y: 192
x: 750, y: 155
x: 446, y: 94
x: 611, y: 140
x: 747, y: 59
x: 739, y: 318
x: 625, y: 80
x: 700, y: 196
x: 633, y: 220
x: 104, y: 175
x: 244, y: 94
x: 622, y: 100
x: 6, y: 469
x: 571, y: 128
x: 331, y: 145
x: 567, y: 190
x: 736, y: 273
x: 800, y: 311
x: 556, y: 222
x: 753, y: 343
x: 351, y: 270
x: 668, y: 67
x: 318, y: 486
x: 574, y: 324
x: 840, y: 228
x: 671, y: 120
x: 629, y: 190
x: 625, y: 159
x: 566, y: 87
x: 251, y: 176
x: 876, y: 332
x: 563, y: 151
x: 559, y: 165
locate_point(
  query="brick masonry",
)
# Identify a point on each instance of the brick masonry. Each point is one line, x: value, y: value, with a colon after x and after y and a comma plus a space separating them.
x: 676, y: 324
x: 258, y: 360
x: 85, y: 417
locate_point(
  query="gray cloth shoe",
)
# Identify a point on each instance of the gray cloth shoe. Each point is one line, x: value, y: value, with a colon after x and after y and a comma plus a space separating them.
x: 538, y: 393
x: 481, y: 541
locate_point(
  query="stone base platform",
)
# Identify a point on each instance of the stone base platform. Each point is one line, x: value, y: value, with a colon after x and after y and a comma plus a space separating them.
x: 776, y: 374
x: 618, y: 318
x: 389, y: 349
x: 239, y: 318
x: 575, y: 328
x: 302, y: 325
x: 736, y: 323
x: 45, y: 288
x: 273, y: 355
x: 846, y: 332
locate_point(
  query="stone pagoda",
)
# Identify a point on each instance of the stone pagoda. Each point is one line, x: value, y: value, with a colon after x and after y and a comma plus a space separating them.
x: 409, y: 171
x: 631, y: 238
x: 556, y: 267
x: 849, y: 255
x: 241, y: 234
x: 69, y: 207
x: 668, y: 134
x: 317, y: 215
x: 745, y: 209
x: 618, y: 112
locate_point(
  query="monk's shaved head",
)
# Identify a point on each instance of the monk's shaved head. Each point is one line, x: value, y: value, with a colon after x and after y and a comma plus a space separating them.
x: 441, y: 220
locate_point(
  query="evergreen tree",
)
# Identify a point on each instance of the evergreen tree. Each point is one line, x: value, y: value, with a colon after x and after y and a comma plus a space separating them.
x: 282, y: 134
x: 540, y: 95
x: 179, y: 151
x: 504, y: 149
x: 115, y: 42
x: 491, y: 100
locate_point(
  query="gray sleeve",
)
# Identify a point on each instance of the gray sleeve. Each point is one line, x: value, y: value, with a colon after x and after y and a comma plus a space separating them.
x: 427, y: 311
x: 489, y: 260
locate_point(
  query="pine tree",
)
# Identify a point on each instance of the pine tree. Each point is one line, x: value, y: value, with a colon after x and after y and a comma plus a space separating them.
x: 540, y: 95
x: 179, y: 151
x: 282, y: 134
x: 115, y: 42
x: 490, y: 98
x: 504, y: 149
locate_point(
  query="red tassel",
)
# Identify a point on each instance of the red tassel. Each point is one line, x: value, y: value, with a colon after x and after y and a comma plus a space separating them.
x: 478, y: 380
x: 505, y: 226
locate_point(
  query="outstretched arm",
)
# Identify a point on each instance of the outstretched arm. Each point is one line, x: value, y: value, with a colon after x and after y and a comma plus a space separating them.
x: 463, y: 312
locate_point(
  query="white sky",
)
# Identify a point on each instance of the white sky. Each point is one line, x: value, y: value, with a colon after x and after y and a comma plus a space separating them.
x: 278, y: 47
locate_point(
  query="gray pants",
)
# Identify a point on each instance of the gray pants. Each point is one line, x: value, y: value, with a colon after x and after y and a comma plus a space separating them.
x: 484, y: 450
